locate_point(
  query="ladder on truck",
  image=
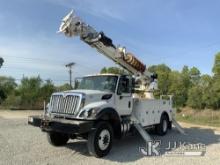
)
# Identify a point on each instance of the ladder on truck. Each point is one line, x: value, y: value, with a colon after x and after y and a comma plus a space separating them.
x: 73, y: 26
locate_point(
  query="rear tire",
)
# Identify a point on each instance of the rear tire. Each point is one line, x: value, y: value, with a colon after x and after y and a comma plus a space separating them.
x: 100, y: 140
x: 57, y: 139
x: 161, y: 129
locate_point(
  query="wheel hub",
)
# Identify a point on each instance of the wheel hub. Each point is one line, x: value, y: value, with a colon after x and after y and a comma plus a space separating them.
x: 104, y: 139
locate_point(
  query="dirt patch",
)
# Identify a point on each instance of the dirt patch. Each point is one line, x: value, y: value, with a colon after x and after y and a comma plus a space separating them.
x: 8, y: 114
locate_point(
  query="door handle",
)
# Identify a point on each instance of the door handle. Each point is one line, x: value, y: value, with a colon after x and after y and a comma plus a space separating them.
x: 129, y: 104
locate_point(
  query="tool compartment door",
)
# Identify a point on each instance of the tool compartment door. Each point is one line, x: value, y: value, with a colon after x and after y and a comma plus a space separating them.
x: 146, y: 111
x: 149, y: 112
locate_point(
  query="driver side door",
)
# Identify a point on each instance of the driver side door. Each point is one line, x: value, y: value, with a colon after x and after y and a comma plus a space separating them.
x: 124, y: 101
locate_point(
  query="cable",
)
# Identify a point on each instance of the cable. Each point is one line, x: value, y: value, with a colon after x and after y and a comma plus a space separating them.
x: 25, y: 69
x: 48, y: 60
x: 46, y: 80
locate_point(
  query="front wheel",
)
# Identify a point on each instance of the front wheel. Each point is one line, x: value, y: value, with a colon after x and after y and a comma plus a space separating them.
x: 100, y: 140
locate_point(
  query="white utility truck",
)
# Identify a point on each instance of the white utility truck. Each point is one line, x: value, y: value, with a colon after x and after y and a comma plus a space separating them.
x: 105, y: 106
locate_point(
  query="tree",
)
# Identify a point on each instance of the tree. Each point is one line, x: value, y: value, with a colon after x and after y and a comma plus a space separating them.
x: 163, y: 72
x: 30, y: 94
x: 208, y: 96
x: 215, y: 88
x: 113, y: 70
x: 104, y: 70
x: 216, y: 67
x: 1, y: 61
x: 194, y: 75
x: 64, y: 87
x: 7, y: 86
x: 178, y: 88
x: 185, y: 73
x: 195, y: 98
x: 202, y: 95
x: 215, y: 94
x: 185, y: 70
x: 29, y: 91
x: 46, y: 90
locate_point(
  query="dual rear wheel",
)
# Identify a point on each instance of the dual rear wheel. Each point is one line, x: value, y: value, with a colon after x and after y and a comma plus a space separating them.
x: 162, y: 128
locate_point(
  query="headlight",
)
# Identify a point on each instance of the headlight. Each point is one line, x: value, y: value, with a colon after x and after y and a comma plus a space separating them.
x: 90, y: 113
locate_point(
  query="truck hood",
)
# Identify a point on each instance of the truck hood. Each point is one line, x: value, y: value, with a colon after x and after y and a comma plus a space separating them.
x: 88, y: 92
x: 91, y: 96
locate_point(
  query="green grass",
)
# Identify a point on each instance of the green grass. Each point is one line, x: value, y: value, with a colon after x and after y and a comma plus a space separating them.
x: 206, y: 120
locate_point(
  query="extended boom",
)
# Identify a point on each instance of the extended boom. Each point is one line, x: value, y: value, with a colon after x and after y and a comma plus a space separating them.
x: 73, y: 26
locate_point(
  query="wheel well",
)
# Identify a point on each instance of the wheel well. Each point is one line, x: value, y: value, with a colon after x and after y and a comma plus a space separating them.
x: 165, y: 114
x: 110, y: 115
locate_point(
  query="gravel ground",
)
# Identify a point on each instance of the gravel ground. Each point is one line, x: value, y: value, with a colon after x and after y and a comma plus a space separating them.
x: 26, y: 145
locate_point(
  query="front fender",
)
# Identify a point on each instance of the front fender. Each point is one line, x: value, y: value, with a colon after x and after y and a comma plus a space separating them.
x: 99, y: 106
x: 107, y: 113
x: 112, y: 116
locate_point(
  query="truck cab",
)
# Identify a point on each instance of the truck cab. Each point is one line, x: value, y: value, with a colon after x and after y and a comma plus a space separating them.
x: 92, y: 94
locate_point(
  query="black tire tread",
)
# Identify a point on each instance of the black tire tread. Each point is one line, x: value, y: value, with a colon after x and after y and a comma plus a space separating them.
x: 159, y: 127
x: 57, y: 139
x: 92, y: 138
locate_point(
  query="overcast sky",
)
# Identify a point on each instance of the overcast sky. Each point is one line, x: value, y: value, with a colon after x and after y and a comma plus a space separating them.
x: 174, y: 32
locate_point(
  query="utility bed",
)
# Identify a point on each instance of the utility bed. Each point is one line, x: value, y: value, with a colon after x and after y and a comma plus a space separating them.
x: 149, y: 111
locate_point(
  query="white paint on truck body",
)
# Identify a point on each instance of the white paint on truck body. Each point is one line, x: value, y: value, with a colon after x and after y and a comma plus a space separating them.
x: 148, y: 111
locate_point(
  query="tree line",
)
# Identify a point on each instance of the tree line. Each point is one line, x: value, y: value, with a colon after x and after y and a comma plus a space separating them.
x: 29, y: 94
x: 189, y: 88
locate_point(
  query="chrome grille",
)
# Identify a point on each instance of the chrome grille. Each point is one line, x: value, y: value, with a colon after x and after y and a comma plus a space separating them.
x: 65, y: 105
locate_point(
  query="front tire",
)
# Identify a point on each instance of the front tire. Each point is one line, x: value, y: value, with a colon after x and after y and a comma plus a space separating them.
x: 162, y: 128
x: 57, y: 139
x: 100, y: 140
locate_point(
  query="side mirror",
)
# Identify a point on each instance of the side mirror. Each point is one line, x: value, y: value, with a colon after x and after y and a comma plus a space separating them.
x: 132, y: 90
x: 119, y: 92
x: 77, y: 82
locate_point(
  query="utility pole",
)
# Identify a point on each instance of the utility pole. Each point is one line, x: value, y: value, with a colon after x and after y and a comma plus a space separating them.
x: 70, y: 66
x: 1, y: 61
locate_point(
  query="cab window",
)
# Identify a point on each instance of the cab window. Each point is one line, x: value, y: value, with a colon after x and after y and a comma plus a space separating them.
x: 124, y: 85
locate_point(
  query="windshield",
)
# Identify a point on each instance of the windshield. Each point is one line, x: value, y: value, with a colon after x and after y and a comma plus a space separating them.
x: 102, y: 83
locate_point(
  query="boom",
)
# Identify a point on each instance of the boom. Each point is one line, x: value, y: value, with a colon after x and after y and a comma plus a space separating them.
x: 73, y: 26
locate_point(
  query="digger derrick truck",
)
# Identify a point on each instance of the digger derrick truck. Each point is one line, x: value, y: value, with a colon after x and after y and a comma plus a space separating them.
x: 105, y: 106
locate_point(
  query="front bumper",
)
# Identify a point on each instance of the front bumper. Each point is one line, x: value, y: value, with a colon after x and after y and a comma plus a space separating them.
x: 61, y: 125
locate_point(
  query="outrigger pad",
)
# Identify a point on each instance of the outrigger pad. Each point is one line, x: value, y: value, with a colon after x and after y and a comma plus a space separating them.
x: 178, y: 127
